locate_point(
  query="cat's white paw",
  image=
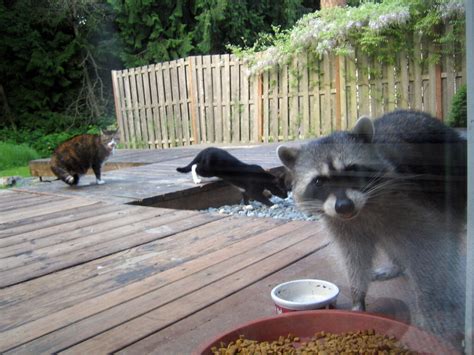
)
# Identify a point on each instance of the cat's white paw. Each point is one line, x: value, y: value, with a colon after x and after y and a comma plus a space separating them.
x: 100, y: 182
x: 197, y: 181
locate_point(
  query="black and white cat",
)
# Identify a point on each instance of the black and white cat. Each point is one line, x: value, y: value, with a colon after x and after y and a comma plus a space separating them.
x: 251, y: 179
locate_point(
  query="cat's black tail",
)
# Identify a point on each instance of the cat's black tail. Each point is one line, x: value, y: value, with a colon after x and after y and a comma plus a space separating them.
x: 184, y: 169
x: 187, y: 168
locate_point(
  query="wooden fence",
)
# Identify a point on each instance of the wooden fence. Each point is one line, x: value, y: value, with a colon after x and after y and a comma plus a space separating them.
x: 211, y: 99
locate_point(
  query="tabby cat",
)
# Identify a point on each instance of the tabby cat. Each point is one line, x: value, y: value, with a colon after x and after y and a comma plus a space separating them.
x: 74, y: 157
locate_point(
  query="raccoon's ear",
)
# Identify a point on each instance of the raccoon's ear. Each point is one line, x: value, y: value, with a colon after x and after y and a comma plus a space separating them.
x: 288, y: 155
x: 364, y: 128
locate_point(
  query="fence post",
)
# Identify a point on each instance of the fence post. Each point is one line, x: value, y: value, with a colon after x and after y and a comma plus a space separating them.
x: 192, y: 96
x: 259, y: 108
x: 338, y: 91
x: 117, y: 102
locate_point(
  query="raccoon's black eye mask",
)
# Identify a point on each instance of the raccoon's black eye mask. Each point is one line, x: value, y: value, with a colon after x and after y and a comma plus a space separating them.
x: 354, y: 176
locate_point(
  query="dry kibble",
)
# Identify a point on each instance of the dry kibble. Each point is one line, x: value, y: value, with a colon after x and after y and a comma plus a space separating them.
x: 322, y: 343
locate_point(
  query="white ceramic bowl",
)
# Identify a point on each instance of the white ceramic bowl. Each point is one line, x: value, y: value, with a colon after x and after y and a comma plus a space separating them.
x: 299, y: 295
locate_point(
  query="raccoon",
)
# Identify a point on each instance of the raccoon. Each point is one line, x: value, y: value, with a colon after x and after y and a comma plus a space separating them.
x: 74, y: 157
x: 251, y: 179
x: 397, y: 183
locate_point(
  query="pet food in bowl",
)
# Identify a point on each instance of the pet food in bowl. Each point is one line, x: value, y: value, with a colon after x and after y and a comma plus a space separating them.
x: 306, y: 294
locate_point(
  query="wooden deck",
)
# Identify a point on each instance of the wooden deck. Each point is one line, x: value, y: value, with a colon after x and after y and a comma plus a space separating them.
x: 82, y: 273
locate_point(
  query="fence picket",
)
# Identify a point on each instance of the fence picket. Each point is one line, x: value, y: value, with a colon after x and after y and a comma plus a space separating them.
x: 211, y: 99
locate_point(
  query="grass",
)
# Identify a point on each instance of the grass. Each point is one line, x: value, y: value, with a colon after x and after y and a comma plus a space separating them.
x: 23, y: 171
x: 14, y: 159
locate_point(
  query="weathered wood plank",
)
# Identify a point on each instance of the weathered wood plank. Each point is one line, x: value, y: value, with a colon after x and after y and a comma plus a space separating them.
x: 209, y: 98
x: 417, y: 71
x: 315, y: 80
x: 235, y: 98
x: 404, y: 81
x: 223, y: 280
x: 341, y: 101
x: 118, y: 103
x: 141, y: 107
x: 92, y: 248
x: 351, y: 92
x: 75, y: 220
x: 245, y: 105
x: 143, y: 264
x: 147, y: 74
x: 227, y: 113
x: 163, y: 106
x: 25, y: 204
x: 241, y: 256
x: 294, y: 100
x: 131, y: 141
x: 171, y: 119
x: 22, y: 249
x: 217, y: 98
x: 51, y: 207
x: 155, y: 109
x: 284, y: 103
x: 274, y: 117
x: 363, y: 84
x: 326, y: 117
x: 32, y: 224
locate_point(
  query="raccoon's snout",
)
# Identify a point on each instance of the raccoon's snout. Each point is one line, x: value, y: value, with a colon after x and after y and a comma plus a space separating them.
x: 345, y: 207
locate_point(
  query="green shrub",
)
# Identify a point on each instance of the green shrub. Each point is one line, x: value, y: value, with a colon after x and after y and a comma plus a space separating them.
x: 458, y: 114
x: 43, y: 142
x: 12, y: 155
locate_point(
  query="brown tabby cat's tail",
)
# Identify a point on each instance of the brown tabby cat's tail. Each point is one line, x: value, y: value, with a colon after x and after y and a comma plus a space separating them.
x: 65, y: 176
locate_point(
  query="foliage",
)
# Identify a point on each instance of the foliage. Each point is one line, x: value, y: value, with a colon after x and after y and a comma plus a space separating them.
x: 43, y: 144
x: 12, y: 155
x: 152, y: 31
x: 458, y: 113
x: 55, y: 68
x: 16, y: 171
x: 57, y: 54
x: 378, y: 29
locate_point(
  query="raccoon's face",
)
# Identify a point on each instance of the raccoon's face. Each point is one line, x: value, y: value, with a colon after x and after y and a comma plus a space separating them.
x: 332, y: 186
x: 335, y: 175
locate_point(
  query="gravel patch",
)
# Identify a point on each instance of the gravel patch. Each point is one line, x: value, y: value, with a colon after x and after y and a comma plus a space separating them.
x: 282, y: 209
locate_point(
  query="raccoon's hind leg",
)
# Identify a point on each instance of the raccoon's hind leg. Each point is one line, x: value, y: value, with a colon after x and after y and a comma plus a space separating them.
x: 387, y: 272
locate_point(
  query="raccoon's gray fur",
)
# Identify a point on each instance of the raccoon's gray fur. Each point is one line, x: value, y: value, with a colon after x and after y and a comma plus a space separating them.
x: 397, y: 183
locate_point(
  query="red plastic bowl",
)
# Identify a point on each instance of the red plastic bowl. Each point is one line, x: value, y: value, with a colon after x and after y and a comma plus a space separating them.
x: 306, y: 323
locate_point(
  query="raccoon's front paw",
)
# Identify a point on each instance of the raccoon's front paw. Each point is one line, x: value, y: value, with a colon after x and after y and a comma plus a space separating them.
x: 100, y: 182
x: 386, y: 272
x: 358, y: 306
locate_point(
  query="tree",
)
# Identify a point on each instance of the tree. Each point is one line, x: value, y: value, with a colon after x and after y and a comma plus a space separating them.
x: 55, y: 63
x: 160, y: 31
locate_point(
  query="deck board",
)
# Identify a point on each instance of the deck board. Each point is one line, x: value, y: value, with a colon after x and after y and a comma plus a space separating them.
x: 156, y: 177
x: 88, y: 270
